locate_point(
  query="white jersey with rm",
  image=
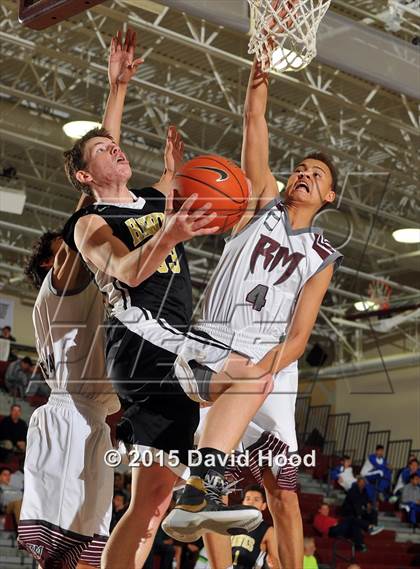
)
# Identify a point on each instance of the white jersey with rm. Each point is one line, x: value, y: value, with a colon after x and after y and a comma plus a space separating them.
x: 251, y: 297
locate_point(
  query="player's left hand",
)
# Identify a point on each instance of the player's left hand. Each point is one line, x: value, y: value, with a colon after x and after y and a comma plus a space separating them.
x: 122, y: 64
x: 174, y: 151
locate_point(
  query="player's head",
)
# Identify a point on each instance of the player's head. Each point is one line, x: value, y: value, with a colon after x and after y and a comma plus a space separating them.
x: 96, y: 162
x: 413, y: 465
x: 415, y: 479
x: 309, y: 547
x: 324, y: 509
x: 5, y: 474
x: 313, y: 182
x: 118, y: 501
x: 379, y: 451
x: 6, y: 332
x: 361, y: 482
x: 254, y: 496
x: 346, y: 461
x: 26, y: 364
x: 15, y: 412
x: 42, y: 257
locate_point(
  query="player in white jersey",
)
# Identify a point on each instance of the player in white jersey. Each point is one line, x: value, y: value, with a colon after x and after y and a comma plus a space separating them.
x: 67, y: 501
x: 262, y: 301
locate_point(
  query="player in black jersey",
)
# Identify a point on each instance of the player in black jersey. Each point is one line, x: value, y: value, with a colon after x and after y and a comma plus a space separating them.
x: 250, y: 550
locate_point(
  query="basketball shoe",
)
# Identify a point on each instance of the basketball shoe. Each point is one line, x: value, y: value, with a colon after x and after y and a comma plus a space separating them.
x: 200, y: 509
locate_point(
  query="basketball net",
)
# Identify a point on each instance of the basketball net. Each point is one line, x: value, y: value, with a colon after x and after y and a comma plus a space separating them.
x: 379, y: 293
x: 283, y: 32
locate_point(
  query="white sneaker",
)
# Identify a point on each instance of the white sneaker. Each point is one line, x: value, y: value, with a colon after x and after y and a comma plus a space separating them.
x: 374, y: 530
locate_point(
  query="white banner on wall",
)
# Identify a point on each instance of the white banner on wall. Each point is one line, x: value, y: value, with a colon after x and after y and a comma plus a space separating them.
x: 6, y: 312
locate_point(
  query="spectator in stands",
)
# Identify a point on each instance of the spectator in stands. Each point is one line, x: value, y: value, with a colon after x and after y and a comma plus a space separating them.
x: 119, y: 507
x: 17, y: 377
x: 6, y: 334
x: 377, y: 474
x: 249, y: 549
x: 358, y: 505
x: 350, y: 528
x: 13, y: 431
x: 411, y: 498
x: 37, y: 385
x: 404, y: 477
x: 119, y: 484
x: 309, y: 548
x: 412, y: 468
x: 343, y: 473
x: 10, y: 497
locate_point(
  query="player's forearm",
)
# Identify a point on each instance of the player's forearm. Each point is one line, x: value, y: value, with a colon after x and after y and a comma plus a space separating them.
x: 114, y: 110
x: 142, y: 263
x: 283, y: 355
x: 257, y: 93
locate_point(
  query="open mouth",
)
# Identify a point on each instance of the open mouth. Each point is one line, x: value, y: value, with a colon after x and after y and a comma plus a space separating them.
x: 121, y: 159
x: 302, y: 186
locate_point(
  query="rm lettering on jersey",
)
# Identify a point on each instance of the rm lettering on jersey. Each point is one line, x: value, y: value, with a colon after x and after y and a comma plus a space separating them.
x: 243, y: 540
x: 273, y: 252
x: 146, y: 226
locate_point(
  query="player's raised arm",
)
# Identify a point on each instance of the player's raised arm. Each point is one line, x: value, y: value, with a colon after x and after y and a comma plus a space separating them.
x: 255, y: 146
x: 173, y: 160
x: 303, y: 321
x: 122, y: 65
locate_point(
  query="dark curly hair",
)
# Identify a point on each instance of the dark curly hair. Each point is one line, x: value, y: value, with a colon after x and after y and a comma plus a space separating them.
x: 41, y: 252
x: 74, y: 159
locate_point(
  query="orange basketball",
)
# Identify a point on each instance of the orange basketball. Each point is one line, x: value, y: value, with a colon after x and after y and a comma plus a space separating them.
x: 218, y: 181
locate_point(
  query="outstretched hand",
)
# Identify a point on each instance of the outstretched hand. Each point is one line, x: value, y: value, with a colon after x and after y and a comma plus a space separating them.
x: 174, y: 151
x: 187, y: 223
x: 122, y: 64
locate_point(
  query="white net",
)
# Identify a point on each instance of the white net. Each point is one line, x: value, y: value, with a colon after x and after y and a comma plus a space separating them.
x: 284, y: 32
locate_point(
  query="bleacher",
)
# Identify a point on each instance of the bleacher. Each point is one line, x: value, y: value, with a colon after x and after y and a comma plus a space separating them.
x: 10, y: 556
x: 398, y: 546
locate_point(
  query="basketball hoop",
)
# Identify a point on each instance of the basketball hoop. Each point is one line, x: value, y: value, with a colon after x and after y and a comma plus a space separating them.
x: 379, y: 293
x: 284, y: 32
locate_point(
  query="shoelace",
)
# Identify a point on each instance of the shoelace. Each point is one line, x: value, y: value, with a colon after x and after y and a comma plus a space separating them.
x: 216, y: 491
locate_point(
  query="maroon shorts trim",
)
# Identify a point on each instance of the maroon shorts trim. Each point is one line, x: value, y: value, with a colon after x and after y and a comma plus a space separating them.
x: 268, y: 445
x: 56, y: 548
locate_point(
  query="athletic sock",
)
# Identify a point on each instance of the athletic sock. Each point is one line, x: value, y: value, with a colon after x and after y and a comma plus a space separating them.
x: 210, y: 459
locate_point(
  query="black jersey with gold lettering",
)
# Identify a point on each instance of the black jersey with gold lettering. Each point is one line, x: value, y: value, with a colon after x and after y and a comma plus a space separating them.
x: 165, y: 294
x: 246, y: 548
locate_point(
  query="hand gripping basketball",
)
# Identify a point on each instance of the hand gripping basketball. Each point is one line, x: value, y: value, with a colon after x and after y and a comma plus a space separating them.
x: 185, y: 223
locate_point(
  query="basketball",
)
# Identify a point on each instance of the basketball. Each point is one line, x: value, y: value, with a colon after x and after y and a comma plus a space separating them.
x: 218, y: 181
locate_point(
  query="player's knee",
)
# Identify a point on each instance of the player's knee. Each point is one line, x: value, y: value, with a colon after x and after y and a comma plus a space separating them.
x: 283, y: 502
x: 159, y: 494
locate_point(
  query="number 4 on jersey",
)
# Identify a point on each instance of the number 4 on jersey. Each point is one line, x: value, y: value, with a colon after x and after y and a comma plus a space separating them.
x: 257, y: 297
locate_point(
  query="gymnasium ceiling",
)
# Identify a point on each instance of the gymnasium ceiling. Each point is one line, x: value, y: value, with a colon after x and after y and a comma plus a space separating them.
x: 195, y: 76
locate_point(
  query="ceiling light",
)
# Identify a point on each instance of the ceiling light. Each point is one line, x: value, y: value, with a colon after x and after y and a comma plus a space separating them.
x: 12, y: 200
x: 363, y: 305
x: 283, y: 57
x: 77, y: 129
x: 409, y: 235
